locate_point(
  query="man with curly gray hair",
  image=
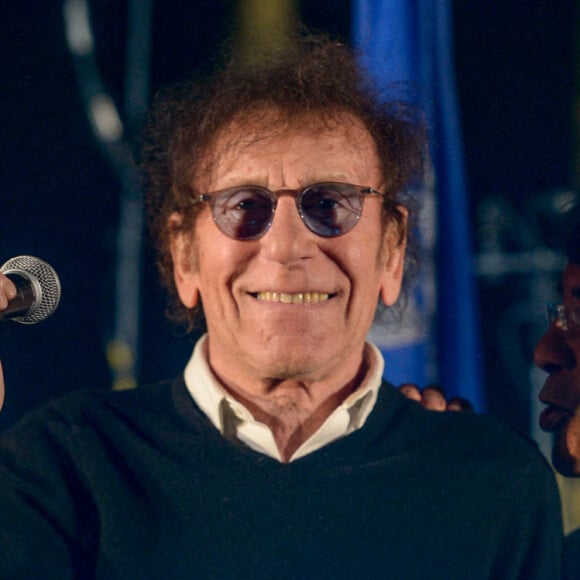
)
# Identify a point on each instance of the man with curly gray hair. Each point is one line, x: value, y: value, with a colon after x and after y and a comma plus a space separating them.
x: 275, y: 195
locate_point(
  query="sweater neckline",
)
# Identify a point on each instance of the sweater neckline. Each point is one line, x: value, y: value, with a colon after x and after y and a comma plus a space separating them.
x: 387, y: 407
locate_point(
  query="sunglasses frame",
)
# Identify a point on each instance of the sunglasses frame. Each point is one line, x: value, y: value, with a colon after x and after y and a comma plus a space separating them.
x: 566, y: 318
x: 361, y: 191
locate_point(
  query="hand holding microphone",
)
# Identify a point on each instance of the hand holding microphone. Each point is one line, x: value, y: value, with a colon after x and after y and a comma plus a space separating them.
x: 29, y: 293
x: 37, y: 290
x: 7, y: 293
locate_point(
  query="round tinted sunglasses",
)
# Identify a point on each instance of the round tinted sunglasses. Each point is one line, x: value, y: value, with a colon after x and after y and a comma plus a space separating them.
x: 246, y: 212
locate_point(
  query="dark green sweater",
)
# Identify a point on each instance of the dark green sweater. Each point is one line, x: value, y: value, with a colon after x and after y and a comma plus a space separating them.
x: 139, y: 484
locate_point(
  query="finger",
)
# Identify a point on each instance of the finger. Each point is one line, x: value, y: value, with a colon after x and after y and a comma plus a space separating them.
x: 459, y: 404
x: 434, y: 398
x: 7, y: 291
x: 411, y: 391
x: 436, y: 387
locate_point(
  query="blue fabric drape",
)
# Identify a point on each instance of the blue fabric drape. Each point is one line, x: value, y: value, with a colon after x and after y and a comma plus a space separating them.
x: 408, y: 44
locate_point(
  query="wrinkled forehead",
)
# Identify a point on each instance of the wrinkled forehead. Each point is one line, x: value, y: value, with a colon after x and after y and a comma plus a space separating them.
x: 255, y: 132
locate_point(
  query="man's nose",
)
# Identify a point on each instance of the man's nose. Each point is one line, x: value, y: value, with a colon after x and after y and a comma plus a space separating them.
x: 553, y: 353
x: 288, y: 238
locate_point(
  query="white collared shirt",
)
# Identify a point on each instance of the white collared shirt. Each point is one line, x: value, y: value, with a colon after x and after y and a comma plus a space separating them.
x: 234, y: 420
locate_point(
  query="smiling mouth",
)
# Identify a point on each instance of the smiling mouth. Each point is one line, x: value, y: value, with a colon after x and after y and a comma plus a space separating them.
x: 295, y: 298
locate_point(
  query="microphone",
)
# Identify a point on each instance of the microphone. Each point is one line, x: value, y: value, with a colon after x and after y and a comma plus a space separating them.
x: 38, y: 290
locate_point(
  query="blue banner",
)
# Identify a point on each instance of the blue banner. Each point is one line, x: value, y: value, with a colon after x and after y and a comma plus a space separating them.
x: 408, y: 44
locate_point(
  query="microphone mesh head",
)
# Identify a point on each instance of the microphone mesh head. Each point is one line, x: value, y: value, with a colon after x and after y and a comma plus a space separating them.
x: 45, y: 281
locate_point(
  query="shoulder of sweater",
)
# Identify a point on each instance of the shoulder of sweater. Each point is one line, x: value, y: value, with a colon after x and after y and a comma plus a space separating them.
x: 477, y: 436
x: 85, y: 406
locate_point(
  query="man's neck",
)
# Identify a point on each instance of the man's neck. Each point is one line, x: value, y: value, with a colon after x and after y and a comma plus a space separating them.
x: 293, y: 410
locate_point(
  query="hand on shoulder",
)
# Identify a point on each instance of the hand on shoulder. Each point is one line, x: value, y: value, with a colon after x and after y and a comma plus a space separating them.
x: 433, y: 398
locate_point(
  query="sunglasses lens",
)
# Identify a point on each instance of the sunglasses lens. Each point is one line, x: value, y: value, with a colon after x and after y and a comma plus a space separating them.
x: 243, y: 213
x: 330, y: 209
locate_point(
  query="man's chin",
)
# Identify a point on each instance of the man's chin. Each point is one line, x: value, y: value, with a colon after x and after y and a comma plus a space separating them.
x: 299, y: 369
x: 565, y: 460
x: 565, y: 467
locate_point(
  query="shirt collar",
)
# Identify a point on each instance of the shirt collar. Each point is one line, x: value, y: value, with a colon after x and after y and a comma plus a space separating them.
x: 234, y: 420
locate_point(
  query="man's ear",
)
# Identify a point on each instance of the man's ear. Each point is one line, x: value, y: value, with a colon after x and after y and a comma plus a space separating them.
x: 393, y: 263
x: 185, y: 271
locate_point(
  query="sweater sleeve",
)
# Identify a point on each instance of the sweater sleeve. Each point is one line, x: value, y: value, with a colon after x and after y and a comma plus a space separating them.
x: 42, y: 508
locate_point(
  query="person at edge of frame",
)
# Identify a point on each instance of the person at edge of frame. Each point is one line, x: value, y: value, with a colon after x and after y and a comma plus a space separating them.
x: 557, y: 352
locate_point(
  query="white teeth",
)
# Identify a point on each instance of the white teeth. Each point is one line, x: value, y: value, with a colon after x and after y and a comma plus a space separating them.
x: 299, y: 298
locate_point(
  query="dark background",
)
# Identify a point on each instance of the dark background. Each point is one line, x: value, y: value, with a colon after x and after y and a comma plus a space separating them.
x: 516, y: 69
